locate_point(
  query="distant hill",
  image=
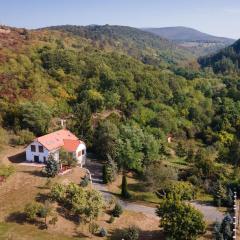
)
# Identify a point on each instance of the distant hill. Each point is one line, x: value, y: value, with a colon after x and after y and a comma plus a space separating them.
x: 225, y: 61
x: 140, y: 44
x: 200, y: 43
x: 186, y: 34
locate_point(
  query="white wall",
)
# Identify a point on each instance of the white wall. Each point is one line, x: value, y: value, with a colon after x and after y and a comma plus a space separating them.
x: 81, y: 159
x: 30, y: 155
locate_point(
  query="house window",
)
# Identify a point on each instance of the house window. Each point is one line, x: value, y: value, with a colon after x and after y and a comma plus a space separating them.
x: 83, y: 152
x: 33, y: 148
x: 40, y: 148
x: 79, y: 153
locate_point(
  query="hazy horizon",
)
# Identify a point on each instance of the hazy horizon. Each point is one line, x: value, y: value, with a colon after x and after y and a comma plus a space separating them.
x: 218, y: 17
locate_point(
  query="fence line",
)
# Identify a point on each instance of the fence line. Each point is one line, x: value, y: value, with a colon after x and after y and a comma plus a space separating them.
x: 235, y: 216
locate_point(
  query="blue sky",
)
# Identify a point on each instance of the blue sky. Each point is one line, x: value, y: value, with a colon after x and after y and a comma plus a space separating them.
x: 219, y: 17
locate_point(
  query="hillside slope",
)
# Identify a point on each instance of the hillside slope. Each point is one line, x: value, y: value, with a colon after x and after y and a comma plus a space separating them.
x: 225, y: 61
x: 197, y: 42
x: 145, y: 46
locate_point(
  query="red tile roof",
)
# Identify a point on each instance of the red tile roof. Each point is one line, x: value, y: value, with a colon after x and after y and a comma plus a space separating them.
x: 71, y: 145
x: 57, y: 139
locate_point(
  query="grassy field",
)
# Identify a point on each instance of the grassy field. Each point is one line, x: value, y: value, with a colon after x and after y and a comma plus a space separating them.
x: 27, y: 184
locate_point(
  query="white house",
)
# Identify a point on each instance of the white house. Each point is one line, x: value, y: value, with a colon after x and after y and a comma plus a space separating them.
x: 40, y: 149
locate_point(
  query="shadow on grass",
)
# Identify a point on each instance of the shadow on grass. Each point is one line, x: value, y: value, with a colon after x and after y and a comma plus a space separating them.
x: 21, y: 218
x: 17, y: 217
x: 36, y: 173
x: 18, y: 158
x: 66, y: 214
x: 42, y: 198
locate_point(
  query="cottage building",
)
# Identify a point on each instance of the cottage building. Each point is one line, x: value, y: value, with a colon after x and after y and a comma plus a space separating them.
x: 50, y: 144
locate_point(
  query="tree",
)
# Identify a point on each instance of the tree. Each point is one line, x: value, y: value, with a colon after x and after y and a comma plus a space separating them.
x: 130, y: 148
x: 83, y: 202
x: 45, y: 211
x: 52, y: 167
x: 82, y: 123
x: 179, y: 220
x: 109, y: 170
x: 220, y: 194
x: 158, y: 176
x: 66, y: 158
x: 124, y: 192
x: 35, y: 117
x: 105, y: 140
x: 217, y: 231
x: 95, y: 204
x: 227, y: 227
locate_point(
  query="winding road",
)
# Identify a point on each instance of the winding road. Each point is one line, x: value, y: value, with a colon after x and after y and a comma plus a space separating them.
x: 211, y: 213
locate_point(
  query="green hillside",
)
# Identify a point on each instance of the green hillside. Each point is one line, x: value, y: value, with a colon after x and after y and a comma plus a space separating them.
x: 123, y: 108
x: 225, y: 61
x: 142, y: 45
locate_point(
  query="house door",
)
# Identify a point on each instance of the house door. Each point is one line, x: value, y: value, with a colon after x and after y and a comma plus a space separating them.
x: 36, y: 159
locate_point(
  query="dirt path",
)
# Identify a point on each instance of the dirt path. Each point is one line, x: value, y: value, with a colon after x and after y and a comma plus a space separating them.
x: 210, y: 213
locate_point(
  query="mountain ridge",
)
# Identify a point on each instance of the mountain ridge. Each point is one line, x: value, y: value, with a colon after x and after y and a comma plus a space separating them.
x: 181, y: 33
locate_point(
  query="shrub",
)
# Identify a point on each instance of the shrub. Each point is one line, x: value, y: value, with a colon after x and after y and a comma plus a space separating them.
x: 85, y: 181
x: 58, y: 192
x: 124, y: 192
x: 24, y: 137
x: 194, y: 180
x: 93, y: 228
x: 52, y: 167
x: 48, y: 183
x: 6, y: 170
x: 181, y: 150
x: 111, y: 202
x: 53, y: 221
x: 3, y: 136
x: 111, y: 219
x: 67, y: 159
x: 42, y: 213
x: 32, y: 210
x: 117, y: 210
x: 180, y: 190
x: 131, y: 233
x: 103, y: 232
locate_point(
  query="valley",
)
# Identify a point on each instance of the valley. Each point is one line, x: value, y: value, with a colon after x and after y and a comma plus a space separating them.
x: 160, y: 118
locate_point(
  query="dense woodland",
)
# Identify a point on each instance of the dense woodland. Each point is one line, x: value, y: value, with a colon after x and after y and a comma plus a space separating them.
x: 125, y: 104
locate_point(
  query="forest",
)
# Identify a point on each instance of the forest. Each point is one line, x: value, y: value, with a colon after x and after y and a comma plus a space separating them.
x: 125, y: 104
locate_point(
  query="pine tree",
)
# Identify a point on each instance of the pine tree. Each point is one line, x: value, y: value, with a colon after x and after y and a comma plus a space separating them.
x: 52, y: 167
x: 124, y: 193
